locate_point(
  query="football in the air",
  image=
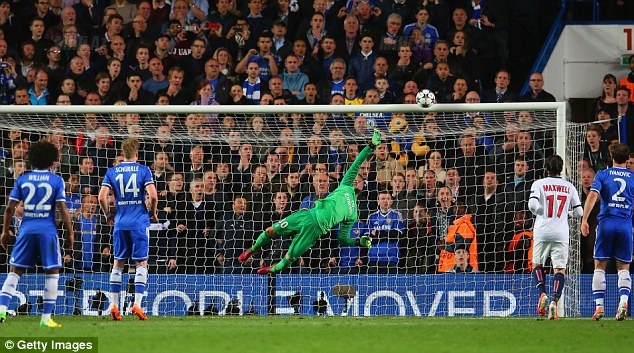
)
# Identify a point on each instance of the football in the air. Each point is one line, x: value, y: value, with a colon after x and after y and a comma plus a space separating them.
x: 425, y: 98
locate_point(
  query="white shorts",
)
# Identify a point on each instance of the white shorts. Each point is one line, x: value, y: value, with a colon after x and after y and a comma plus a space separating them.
x: 558, y: 253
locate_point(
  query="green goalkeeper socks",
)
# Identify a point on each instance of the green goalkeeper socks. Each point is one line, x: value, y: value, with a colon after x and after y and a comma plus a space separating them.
x: 262, y: 240
x: 284, y: 263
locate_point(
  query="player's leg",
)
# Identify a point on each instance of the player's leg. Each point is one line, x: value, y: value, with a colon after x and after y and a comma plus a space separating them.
x: 49, y: 298
x: 300, y: 244
x: 602, y: 253
x: 22, y: 257
x: 122, y: 245
x: 140, y: 252
x: 8, y: 288
x: 539, y: 258
x: 559, y: 258
x: 286, y: 227
x: 598, y: 288
x: 623, y: 256
x: 51, y: 263
x: 263, y: 239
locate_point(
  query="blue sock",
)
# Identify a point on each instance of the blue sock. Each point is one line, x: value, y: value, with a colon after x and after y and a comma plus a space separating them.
x: 140, y: 281
x: 558, y: 286
x: 538, y: 278
x: 115, y: 285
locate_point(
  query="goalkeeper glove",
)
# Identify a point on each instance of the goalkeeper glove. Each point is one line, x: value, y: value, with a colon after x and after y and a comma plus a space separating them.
x: 365, y: 241
x: 376, y: 138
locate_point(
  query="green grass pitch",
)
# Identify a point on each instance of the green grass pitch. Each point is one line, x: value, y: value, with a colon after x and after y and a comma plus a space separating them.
x: 336, y: 334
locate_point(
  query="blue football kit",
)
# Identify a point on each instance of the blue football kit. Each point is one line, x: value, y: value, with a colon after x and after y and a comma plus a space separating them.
x: 40, y: 190
x: 615, y: 187
x: 130, y: 236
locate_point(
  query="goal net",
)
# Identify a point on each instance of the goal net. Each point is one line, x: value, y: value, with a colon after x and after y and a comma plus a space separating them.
x: 444, y: 199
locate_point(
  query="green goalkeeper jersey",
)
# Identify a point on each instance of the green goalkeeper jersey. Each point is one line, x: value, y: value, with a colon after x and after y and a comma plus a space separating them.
x: 340, y: 206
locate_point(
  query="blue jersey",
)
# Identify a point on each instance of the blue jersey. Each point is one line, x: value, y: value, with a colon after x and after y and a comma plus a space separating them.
x: 40, y: 190
x: 616, y: 189
x: 385, y: 250
x: 128, y: 180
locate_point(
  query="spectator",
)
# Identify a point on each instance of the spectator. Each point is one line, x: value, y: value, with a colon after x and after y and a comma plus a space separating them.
x: 470, y: 161
x: 258, y: 192
x: 348, y: 44
x: 501, y: 93
x: 418, y: 246
x: 596, y: 151
x: 252, y: 86
x: 232, y: 234
x: 361, y: 64
x: 188, y: 248
x: 464, y: 59
x: 441, y: 82
x: 385, y: 227
x: 173, y: 195
x: 607, y: 100
x: 267, y: 62
x: 625, y: 111
x: 429, y: 32
x: 402, y: 201
x: 177, y: 94
x: 628, y: 81
x: 88, y: 177
x: 519, y: 258
x: 219, y: 82
x: 91, y: 250
x: 537, y: 93
x: 38, y: 94
x: 519, y: 183
x: 294, y: 80
x: 160, y: 167
x: 489, y: 206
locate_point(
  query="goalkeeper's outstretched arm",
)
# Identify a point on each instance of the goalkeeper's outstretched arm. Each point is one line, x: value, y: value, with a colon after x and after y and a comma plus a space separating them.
x: 352, y: 172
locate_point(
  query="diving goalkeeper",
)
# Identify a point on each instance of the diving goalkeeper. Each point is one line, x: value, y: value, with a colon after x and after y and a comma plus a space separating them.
x: 306, y: 226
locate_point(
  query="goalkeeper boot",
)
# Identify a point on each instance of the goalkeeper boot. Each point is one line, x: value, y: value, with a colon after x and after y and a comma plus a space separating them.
x: 3, y: 317
x: 115, y: 314
x: 139, y: 313
x: 621, y: 312
x: 542, y: 304
x: 245, y: 255
x: 265, y: 270
x: 552, y: 311
x: 598, y: 314
x: 50, y: 324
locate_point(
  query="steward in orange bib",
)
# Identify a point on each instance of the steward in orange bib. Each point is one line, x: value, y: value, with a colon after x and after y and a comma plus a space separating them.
x: 461, y: 232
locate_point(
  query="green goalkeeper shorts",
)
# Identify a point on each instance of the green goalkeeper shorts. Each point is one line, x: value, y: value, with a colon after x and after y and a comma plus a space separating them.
x: 304, y: 230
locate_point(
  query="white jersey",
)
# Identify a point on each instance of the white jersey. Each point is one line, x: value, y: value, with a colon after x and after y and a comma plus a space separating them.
x: 551, y: 199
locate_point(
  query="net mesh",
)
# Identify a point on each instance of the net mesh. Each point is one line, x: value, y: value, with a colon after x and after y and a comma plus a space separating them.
x: 456, y: 202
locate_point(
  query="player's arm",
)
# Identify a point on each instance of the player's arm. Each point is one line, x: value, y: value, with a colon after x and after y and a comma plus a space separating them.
x: 577, y: 210
x: 344, y: 234
x: 534, y: 203
x: 8, y: 216
x: 65, y: 216
x: 153, y: 195
x: 103, y: 200
x: 365, y: 153
x: 593, y: 196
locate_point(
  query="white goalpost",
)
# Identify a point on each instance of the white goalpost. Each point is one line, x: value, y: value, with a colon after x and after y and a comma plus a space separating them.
x: 445, y: 198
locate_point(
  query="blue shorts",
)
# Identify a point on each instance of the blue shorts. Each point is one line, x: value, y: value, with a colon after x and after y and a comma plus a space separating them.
x: 28, y: 247
x: 131, y: 244
x: 614, y: 239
